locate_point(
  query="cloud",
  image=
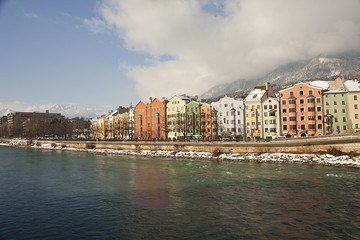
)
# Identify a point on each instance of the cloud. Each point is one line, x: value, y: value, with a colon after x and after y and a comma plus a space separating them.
x: 211, y: 41
x: 30, y: 15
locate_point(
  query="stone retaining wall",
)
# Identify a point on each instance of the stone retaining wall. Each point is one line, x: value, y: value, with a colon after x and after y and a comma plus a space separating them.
x: 346, y: 144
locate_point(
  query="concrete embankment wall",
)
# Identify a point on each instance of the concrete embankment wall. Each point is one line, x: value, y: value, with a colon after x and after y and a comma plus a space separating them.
x: 346, y: 144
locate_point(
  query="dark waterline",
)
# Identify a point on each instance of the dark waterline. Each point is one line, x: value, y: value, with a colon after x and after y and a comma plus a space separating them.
x: 67, y: 195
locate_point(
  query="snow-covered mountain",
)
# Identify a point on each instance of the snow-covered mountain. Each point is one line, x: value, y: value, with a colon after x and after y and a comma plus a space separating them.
x: 68, y: 110
x: 319, y: 68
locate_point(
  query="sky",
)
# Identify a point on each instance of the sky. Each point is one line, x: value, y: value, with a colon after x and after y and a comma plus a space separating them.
x: 106, y: 53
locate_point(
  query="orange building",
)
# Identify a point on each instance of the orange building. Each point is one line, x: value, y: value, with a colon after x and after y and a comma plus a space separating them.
x: 206, y: 121
x: 301, y: 109
x: 150, y: 120
x: 117, y: 126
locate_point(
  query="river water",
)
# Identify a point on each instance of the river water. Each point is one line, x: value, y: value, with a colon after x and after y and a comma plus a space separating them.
x: 70, y: 195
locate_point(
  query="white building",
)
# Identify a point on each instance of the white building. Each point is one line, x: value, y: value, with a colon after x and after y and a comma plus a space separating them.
x: 131, y: 123
x: 228, y: 118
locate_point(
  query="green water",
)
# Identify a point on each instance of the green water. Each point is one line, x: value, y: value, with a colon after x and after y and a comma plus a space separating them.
x: 68, y: 195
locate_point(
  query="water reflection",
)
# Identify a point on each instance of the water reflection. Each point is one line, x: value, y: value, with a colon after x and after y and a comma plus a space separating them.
x: 77, y: 195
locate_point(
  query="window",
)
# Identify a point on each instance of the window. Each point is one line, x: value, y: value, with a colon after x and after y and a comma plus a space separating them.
x: 292, y: 119
x: 283, y: 102
x: 335, y: 102
x: 311, y: 109
x: 284, y: 119
x: 311, y: 100
x: 343, y: 102
x: 284, y: 110
x: 355, y: 97
x: 301, y: 93
x: 275, y: 106
x: 344, y: 128
x: 265, y: 114
x: 258, y: 106
x: 292, y: 110
x: 266, y: 121
x: 302, y: 101
x: 284, y: 127
x: 292, y: 127
x: 327, y: 103
x: 292, y: 101
x: 318, y: 100
x: 336, y: 119
x: 312, y: 126
x: 319, y: 126
x: 302, y: 127
x: 292, y: 93
x: 311, y: 118
x: 302, y: 109
x: 356, y: 116
x: 302, y: 118
x: 344, y: 119
x: 310, y: 92
x: 356, y: 106
x: 319, y: 117
x: 318, y: 109
x: 265, y: 107
x: 343, y: 110
x: 335, y: 110
x: 270, y: 106
x: 225, y: 105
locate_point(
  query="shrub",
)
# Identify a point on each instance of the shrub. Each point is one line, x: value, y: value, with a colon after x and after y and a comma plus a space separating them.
x: 217, y: 152
x: 63, y: 145
x: 335, y: 152
x: 53, y: 145
x: 90, y: 146
x: 38, y: 144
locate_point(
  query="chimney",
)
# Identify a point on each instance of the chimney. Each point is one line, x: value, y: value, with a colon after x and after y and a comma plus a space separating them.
x: 267, y: 86
x: 150, y: 99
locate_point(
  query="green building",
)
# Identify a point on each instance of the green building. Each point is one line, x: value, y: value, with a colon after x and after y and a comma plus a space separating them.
x: 193, y: 120
x: 335, y: 105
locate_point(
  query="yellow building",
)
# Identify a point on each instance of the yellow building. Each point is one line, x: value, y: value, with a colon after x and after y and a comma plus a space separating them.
x: 353, y: 88
x: 100, y: 127
x: 176, y: 117
x: 253, y: 111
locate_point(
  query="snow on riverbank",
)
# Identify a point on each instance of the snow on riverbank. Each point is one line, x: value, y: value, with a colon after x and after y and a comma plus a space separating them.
x: 321, y: 159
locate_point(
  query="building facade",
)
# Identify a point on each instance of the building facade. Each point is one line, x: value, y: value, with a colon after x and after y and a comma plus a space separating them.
x: 271, y: 118
x: 253, y: 111
x: 193, y: 126
x: 353, y: 88
x: 301, y: 109
x: 205, y: 121
x: 176, y: 117
x: 228, y: 118
x: 150, y: 120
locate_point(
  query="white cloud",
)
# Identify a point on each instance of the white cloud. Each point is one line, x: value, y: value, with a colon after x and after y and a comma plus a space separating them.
x: 30, y: 15
x: 213, y: 42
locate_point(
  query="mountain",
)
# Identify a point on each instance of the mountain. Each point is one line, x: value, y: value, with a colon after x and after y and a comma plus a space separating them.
x: 68, y: 110
x: 319, y: 68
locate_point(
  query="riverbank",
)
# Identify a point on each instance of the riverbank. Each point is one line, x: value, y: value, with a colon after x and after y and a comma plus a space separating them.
x: 318, y: 159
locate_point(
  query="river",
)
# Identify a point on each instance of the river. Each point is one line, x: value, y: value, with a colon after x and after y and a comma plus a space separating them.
x: 76, y: 195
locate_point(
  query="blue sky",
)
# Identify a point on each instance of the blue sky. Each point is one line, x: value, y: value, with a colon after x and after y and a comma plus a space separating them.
x: 49, y: 56
x: 106, y: 53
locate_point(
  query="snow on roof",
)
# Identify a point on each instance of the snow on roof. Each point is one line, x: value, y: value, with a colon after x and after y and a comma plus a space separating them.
x: 256, y: 94
x: 324, y: 85
x: 352, y: 85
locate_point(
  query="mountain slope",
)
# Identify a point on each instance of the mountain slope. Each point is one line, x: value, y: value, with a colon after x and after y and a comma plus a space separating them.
x: 68, y: 110
x: 324, y: 68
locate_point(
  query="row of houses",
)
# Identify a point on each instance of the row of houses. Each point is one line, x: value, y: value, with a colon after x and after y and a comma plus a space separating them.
x: 304, y: 109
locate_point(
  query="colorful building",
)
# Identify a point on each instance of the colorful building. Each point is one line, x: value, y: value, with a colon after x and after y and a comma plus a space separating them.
x: 205, y: 118
x: 271, y: 118
x: 150, y: 120
x: 228, y: 118
x: 253, y: 111
x: 335, y: 104
x: 176, y: 117
x: 193, y: 120
x: 353, y: 88
x: 301, y: 109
